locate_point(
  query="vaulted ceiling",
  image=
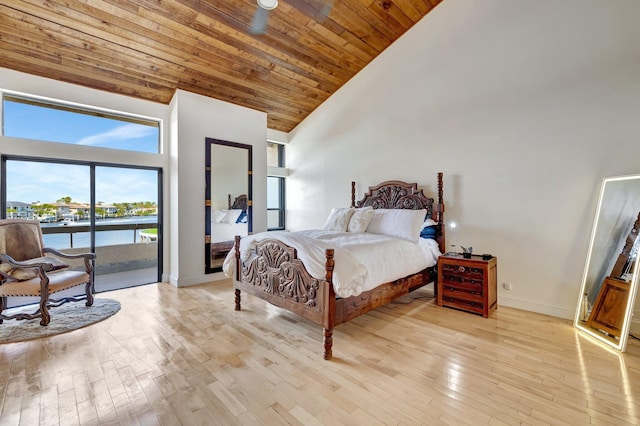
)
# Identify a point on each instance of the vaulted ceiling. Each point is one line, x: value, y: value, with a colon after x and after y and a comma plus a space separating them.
x: 149, y: 48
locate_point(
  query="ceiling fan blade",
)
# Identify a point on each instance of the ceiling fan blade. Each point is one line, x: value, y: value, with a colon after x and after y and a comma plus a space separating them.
x: 259, y: 23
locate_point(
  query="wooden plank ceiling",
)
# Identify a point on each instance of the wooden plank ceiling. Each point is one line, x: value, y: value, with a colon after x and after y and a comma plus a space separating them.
x: 149, y: 48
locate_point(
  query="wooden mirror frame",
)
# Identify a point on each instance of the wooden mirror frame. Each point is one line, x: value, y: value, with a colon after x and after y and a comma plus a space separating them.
x: 615, y: 231
x: 209, y: 142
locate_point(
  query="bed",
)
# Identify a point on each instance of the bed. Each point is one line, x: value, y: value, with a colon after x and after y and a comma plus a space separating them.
x: 272, y: 269
x: 225, y: 226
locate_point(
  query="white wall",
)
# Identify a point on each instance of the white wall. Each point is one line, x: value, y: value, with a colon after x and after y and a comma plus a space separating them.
x: 200, y: 117
x: 187, y: 121
x: 229, y: 167
x: 524, y: 107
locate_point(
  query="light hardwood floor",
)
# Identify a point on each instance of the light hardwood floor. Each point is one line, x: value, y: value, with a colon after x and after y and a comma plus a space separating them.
x: 184, y: 356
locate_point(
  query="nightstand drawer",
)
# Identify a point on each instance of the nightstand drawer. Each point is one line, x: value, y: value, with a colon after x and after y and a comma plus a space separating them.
x: 463, y: 271
x: 465, y: 291
x: 463, y: 280
x: 476, y: 307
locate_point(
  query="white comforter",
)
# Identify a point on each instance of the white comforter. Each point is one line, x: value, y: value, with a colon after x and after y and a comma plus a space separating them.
x: 362, y: 260
x: 221, y: 231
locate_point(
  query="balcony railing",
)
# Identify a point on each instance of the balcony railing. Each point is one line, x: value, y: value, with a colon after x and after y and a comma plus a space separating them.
x: 76, y: 229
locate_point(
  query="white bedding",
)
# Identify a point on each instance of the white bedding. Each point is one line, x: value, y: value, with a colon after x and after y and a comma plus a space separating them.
x: 362, y: 260
x: 221, y: 231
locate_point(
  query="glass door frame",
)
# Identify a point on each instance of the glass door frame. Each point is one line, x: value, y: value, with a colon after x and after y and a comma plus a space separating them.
x: 4, y: 158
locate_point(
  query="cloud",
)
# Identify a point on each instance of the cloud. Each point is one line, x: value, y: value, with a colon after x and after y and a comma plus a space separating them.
x: 121, y: 133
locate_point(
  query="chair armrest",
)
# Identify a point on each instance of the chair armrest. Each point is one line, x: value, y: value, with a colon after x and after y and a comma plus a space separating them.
x: 25, y: 264
x: 18, y: 270
x: 88, y: 256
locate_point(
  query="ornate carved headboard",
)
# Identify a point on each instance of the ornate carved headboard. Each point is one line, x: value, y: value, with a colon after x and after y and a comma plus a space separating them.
x: 240, y: 202
x: 395, y: 194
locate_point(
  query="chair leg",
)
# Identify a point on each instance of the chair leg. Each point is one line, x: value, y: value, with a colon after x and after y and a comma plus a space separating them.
x: 89, y: 292
x: 44, y: 311
x: 3, y: 306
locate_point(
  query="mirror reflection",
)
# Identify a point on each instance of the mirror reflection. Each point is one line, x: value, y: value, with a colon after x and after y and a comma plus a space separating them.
x: 227, y: 198
x: 611, y: 274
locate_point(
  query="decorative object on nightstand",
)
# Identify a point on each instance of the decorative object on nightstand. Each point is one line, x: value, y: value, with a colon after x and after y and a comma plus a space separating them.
x: 468, y: 284
x: 452, y: 234
x: 466, y: 252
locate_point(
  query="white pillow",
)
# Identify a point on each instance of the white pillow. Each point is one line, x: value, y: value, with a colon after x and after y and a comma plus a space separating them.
x: 218, y: 215
x: 360, y: 219
x: 338, y: 219
x: 231, y: 215
x: 399, y: 223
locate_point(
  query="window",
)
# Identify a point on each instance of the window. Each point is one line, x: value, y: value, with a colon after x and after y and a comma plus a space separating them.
x: 275, y: 154
x: 275, y: 203
x: 275, y: 186
x: 45, y: 121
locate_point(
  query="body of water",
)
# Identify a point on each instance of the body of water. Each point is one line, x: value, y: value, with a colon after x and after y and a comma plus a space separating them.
x: 103, y: 238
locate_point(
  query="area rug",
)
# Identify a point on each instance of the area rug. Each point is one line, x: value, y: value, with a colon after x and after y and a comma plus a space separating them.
x: 68, y: 317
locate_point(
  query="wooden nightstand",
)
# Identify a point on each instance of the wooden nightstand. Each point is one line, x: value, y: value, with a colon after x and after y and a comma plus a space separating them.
x: 468, y: 284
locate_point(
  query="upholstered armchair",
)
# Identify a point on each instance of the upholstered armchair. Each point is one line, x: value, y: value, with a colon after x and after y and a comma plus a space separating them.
x: 27, y: 268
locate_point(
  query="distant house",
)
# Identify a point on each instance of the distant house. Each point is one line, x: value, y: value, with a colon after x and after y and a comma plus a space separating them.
x: 19, y: 210
x: 82, y: 211
x: 109, y: 210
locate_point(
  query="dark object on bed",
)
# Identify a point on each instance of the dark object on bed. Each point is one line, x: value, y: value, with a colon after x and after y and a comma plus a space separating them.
x: 276, y: 275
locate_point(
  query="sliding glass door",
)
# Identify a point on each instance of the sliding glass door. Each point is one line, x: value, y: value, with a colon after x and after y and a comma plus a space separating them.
x: 126, y: 212
x: 112, y: 210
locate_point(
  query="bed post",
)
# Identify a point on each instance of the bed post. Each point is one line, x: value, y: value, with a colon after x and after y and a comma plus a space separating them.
x: 238, y: 268
x: 438, y: 212
x: 329, y: 303
x: 353, y: 194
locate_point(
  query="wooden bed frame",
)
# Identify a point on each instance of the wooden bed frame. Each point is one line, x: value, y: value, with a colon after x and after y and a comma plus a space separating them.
x: 277, y: 276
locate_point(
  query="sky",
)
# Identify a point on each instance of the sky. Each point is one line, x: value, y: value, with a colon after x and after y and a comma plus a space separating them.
x: 30, y: 182
x: 45, y: 182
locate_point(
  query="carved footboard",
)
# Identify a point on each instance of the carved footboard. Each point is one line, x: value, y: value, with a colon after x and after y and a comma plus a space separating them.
x: 275, y: 274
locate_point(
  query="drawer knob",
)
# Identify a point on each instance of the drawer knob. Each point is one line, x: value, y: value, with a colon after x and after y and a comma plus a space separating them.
x: 461, y: 269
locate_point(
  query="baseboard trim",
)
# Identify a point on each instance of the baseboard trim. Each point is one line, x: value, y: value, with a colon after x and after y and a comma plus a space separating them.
x: 201, y: 279
x: 527, y: 305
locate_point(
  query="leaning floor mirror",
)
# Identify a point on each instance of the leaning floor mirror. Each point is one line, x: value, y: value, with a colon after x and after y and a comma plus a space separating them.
x: 610, y: 279
x: 228, y: 197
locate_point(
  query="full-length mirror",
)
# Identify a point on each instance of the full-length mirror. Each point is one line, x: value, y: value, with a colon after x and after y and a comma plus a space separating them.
x: 227, y: 198
x: 610, y: 278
